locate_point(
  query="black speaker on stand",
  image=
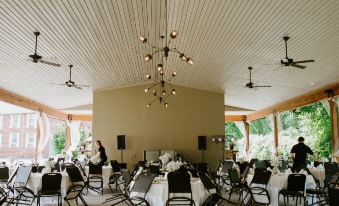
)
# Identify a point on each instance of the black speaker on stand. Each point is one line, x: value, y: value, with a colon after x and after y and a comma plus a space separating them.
x: 121, y: 145
x: 202, y: 146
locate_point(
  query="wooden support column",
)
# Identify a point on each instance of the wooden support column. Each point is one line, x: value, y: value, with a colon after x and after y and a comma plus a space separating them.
x: 37, y: 142
x: 334, y: 123
x: 247, y: 137
x: 275, y: 130
x: 68, y: 133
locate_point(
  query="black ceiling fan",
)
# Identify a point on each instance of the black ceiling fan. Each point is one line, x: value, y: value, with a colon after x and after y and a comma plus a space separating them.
x: 71, y: 83
x: 250, y: 84
x: 37, y: 58
x: 290, y: 62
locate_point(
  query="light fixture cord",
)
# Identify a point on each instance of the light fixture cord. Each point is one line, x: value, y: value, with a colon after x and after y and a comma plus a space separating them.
x: 166, y: 22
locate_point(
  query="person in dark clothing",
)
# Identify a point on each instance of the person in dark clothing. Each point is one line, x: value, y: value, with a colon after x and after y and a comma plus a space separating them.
x: 299, y: 154
x: 101, y: 152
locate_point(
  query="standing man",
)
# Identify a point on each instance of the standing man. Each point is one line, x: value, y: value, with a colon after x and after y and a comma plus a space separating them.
x: 299, y: 154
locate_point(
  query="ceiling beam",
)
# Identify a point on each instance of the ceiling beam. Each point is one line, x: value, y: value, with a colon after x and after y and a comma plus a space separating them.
x: 295, y: 102
x: 235, y: 118
x: 24, y: 102
x: 81, y: 117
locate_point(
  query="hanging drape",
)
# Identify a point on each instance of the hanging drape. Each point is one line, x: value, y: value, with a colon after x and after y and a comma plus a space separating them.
x: 75, y: 135
x: 45, y: 133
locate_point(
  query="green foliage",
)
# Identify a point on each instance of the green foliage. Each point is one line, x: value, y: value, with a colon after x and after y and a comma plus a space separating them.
x: 231, y: 129
x: 261, y: 126
x: 59, y: 139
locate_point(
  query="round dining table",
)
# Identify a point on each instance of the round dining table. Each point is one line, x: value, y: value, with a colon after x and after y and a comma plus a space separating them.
x: 278, y: 182
x: 157, y: 194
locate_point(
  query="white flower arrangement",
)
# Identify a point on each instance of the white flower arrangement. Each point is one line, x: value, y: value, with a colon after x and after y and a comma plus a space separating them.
x: 276, y: 164
x: 173, y: 166
x: 165, y: 158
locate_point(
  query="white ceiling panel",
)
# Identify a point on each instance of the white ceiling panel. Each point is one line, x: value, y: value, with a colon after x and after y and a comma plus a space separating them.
x: 100, y: 38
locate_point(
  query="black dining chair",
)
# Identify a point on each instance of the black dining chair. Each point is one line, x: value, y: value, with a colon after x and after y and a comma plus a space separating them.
x: 95, y: 177
x: 179, y: 185
x: 40, y: 168
x: 51, y: 186
x: 258, y: 188
x: 140, y: 188
x: 124, y: 195
x: 114, y: 179
x: 295, y: 188
x: 78, y: 185
x: 215, y: 197
x: 333, y: 194
x: 260, y: 165
x: 223, y: 178
x: 320, y: 194
x: 235, y: 182
x: 22, y: 195
x: 4, y: 175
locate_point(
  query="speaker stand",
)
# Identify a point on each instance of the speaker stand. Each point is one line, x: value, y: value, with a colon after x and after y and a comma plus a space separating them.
x: 202, y: 156
x: 121, y: 156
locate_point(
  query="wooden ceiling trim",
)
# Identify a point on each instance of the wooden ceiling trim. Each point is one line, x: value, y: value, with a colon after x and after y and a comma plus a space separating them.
x: 24, y: 102
x: 235, y: 118
x: 295, y: 102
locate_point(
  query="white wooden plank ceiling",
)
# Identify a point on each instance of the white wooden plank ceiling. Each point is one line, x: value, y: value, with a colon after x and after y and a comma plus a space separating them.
x: 224, y: 37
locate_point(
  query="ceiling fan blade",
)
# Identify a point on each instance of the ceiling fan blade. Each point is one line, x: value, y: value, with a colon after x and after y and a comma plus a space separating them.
x: 49, y: 63
x: 76, y: 86
x: 83, y: 85
x: 298, y: 66
x: 303, y: 61
x: 58, y: 84
x: 263, y: 86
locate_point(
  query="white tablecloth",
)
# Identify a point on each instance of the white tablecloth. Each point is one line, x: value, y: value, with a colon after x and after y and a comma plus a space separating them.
x: 318, y: 173
x: 157, y: 195
x: 35, y: 183
x: 106, y: 173
x: 278, y: 182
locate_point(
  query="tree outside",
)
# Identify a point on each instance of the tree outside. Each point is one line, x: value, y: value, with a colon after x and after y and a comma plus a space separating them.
x: 311, y: 121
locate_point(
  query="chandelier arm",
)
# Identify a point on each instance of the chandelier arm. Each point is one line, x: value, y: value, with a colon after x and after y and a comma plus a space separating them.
x: 175, y: 50
x: 154, y: 47
x: 159, y: 50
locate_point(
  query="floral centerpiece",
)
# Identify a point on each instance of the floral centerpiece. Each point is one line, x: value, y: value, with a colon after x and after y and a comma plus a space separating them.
x: 49, y: 165
x: 276, y: 164
x: 165, y: 158
x: 173, y: 166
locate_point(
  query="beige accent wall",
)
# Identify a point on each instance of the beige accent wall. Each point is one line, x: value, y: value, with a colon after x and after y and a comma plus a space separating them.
x: 191, y: 113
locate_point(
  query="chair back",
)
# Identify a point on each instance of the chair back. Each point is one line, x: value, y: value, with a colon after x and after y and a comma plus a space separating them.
x: 40, y: 168
x: 203, y: 167
x: 333, y: 194
x: 154, y: 169
x: 64, y: 165
x: 95, y: 169
x: 253, y: 161
x: 23, y: 174
x: 296, y: 182
x: 74, y: 174
x: 4, y: 174
x: 261, y: 177
x: 233, y: 176
x: 330, y: 169
x: 143, y: 183
x: 226, y: 165
x: 179, y: 182
x: 51, y: 182
x: 242, y: 166
x: 126, y: 176
x: 260, y: 165
x: 207, y: 181
x: 115, y: 166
